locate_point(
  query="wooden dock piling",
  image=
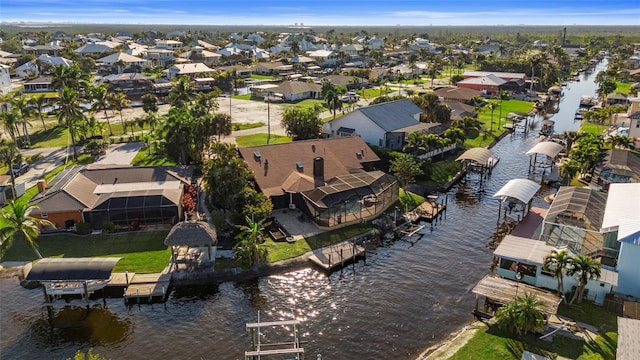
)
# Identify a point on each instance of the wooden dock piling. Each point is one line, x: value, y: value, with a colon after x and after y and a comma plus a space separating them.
x: 346, y: 251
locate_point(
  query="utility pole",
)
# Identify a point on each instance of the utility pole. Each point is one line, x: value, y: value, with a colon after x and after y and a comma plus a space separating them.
x: 268, y: 117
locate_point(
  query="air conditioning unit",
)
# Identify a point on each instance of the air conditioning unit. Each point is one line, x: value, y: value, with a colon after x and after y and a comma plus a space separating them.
x: 292, y: 206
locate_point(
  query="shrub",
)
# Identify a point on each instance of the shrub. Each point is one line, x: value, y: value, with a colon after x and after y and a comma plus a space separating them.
x: 83, y: 228
x: 109, y: 227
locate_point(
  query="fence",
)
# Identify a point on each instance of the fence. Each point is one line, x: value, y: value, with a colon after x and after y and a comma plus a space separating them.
x: 433, y: 153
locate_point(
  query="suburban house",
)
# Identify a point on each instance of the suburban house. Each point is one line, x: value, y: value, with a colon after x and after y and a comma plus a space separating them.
x: 190, y: 70
x: 487, y: 85
x: 385, y: 125
x: 297, y: 90
x: 517, y: 255
x: 38, y: 50
x: 323, y: 57
x: 271, y: 68
x: 460, y: 94
x: 123, y: 61
x: 506, y: 76
x: 241, y: 71
x: 172, y: 45
x: 424, y: 44
x: 27, y: 70
x: 129, y: 83
x: 350, y: 82
x: 460, y: 110
x: 162, y: 57
x: 332, y: 181
x: 353, y: 49
x: 99, y: 47
x: 618, y: 166
x: 41, y: 84
x: 198, y: 53
x: 120, y: 195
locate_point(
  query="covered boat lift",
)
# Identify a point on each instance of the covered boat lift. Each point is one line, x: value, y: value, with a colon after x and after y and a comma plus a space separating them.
x: 517, y: 194
x: 479, y: 160
x: 550, y: 150
x: 71, y: 276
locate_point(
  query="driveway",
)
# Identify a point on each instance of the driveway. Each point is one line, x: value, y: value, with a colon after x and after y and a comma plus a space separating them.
x: 120, y: 154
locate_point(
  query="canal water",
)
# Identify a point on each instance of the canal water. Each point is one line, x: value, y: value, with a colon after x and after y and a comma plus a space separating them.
x: 409, y: 295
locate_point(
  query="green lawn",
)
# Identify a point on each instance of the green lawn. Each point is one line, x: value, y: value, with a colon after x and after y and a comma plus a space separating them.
x: 306, y: 104
x: 284, y: 250
x: 623, y: 87
x: 245, y: 126
x: 144, y: 158
x: 143, y: 252
x: 442, y: 172
x: 500, y: 112
x: 243, y: 97
x: 262, y: 77
x: 409, y: 201
x: 491, y: 343
x: 592, y: 128
x: 260, y: 139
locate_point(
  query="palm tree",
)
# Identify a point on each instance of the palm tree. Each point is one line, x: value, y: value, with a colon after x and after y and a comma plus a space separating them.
x: 502, y: 95
x: 570, y: 168
x: 101, y: 95
x: 10, y: 120
x: 586, y: 269
x: 433, y: 73
x: 38, y: 103
x: 9, y: 155
x: 18, y: 224
x: 70, y: 112
x: 415, y: 143
x: 333, y: 100
x: 182, y: 92
x: 491, y: 106
x: 569, y: 137
x: 557, y: 262
x: 118, y: 102
x: 22, y: 106
x: 621, y: 142
x: 522, y: 314
x: 250, y: 250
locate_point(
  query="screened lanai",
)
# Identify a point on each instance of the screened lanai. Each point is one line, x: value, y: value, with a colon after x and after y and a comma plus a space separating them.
x: 349, y: 198
x: 574, y: 220
x: 132, y: 208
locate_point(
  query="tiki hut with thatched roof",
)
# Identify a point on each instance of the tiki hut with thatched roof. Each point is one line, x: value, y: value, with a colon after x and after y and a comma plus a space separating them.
x: 192, y: 235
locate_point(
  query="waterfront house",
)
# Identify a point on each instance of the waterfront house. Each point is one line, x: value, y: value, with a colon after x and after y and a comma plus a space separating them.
x: 332, y: 181
x: 385, y: 125
x: 122, y: 61
x: 114, y: 194
x: 460, y: 94
x: 506, y: 76
x: 521, y: 259
x: 487, y: 85
x: 618, y: 166
x: 129, y: 83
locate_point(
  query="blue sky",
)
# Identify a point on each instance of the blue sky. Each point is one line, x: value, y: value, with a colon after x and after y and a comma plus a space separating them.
x: 326, y: 12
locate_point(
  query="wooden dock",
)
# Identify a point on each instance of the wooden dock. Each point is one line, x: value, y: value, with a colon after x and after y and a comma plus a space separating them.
x: 427, y: 211
x: 147, y: 287
x: 120, y: 279
x: 335, y: 256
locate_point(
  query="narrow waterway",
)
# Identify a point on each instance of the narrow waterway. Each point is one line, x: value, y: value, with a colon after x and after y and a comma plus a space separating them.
x: 406, y: 297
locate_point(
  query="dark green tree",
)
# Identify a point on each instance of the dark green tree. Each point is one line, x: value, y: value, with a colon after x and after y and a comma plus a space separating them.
x: 301, y: 124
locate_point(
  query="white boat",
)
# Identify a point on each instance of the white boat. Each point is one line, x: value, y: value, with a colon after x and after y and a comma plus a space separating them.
x: 74, y: 287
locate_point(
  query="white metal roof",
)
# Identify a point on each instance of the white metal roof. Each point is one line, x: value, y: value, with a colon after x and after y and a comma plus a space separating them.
x: 523, y: 249
x: 521, y: 189
x: 623, y: 202
x: 478, y: 155
x: 549, y: 148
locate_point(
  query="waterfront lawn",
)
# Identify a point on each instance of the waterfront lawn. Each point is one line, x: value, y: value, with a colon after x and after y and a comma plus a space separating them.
x: 242, y: 97
x: 440, y: 172
x: 409, y: 201
x: 142, y: 251
x: 145, y: 158
x: 491, y: 343
x: 283, y: 250
x: 260, y: 139
x: 499, y: 119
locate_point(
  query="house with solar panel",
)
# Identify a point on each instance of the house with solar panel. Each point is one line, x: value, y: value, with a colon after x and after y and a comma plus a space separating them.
x: 385, y: 125
x: 332, y: 181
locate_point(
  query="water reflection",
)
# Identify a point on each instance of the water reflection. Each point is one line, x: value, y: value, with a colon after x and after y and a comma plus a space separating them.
x: 96, y: 326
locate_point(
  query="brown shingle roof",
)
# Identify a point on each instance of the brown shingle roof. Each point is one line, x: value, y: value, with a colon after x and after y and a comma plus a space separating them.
x: 296, y: 87
x: 457, y: 93
x: 276, y: 163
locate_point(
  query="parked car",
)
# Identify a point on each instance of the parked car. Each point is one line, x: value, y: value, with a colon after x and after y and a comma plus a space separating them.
x: 350, y: 97
x: 19, y: 169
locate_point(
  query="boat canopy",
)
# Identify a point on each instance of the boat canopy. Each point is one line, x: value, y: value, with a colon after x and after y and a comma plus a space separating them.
x: 73, y: 269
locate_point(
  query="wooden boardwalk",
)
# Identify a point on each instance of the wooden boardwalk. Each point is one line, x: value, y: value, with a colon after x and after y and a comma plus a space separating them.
x: 427, y: 211
x: 120, y: 279
x: 334, y: 256
x: 148, y: 287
